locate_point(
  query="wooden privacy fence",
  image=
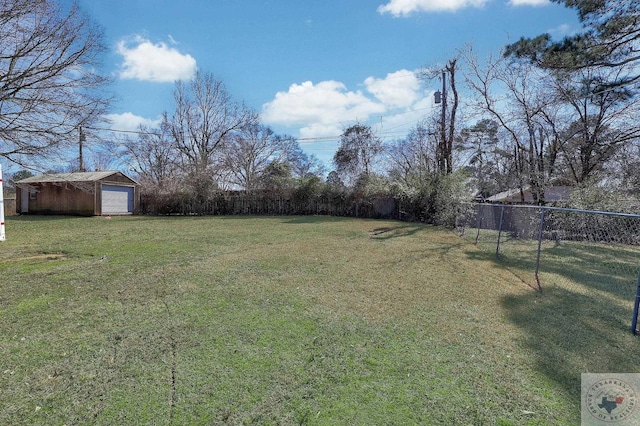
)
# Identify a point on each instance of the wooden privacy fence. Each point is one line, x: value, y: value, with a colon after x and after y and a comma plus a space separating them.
x: 9, y: 205
x: 257, y: 204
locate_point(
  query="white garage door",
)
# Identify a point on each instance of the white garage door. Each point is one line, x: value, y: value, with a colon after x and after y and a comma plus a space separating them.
x: 117, y: 199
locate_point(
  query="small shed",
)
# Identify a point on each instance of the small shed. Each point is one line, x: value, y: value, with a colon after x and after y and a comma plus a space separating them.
x: 82, y: 193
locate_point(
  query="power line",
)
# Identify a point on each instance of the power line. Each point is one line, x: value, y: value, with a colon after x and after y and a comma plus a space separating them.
x: 303, y: 140
x: 138, y: 132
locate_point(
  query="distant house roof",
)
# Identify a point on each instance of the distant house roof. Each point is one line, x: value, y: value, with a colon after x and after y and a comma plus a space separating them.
x: 508, y: 195
x: 71, y: 177
x: 552, y: 193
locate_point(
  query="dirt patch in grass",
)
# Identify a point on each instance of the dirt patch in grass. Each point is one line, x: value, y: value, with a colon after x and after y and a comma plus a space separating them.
x: 40, y: 256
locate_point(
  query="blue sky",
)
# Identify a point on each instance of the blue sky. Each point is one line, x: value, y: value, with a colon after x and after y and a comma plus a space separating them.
x: 311, y: 67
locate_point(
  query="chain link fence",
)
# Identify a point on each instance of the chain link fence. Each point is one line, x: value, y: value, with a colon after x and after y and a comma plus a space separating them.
x: 577, y: 253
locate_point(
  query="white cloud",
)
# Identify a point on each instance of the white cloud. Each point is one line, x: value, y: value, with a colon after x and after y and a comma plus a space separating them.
x: 157, y: 62
x: 406, y: 7
x: 324, y: 109
x: 398, y: 89
x: 320, y: 109
x: 406, y: 118
x: 130, y: 122
x: 561, y: 31
x: 529, y: 2
x: 321, y: 130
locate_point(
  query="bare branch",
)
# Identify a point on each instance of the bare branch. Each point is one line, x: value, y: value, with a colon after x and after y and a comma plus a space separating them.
x: 48, y: 81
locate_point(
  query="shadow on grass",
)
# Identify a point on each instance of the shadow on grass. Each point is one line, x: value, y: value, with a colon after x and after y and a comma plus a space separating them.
x: 41, y: 218
x: 400, y: 230
x: 612, y: 269
x: 301, y: 220
x: 608, y: 268
x: 523, y: 268
x: 581, y: 320
x: 567, y: 334
x: 283, y: 218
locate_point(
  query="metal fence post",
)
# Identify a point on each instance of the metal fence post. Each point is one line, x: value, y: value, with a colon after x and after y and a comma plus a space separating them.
x: 542, y: 211
x: 499, y: 232
x: 636, y: 306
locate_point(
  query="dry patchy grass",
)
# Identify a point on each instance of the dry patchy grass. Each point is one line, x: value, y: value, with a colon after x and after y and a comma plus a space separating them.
x: 281, y: 320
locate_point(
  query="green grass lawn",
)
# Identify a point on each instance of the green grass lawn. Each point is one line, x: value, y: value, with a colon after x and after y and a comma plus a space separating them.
x: 287, y: 320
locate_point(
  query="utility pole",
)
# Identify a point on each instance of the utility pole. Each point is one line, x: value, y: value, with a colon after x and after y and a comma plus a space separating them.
x: 443, y: 119
x: 441, y: 98
x: 81, y: 139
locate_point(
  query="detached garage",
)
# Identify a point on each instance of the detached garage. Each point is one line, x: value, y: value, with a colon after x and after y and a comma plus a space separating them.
x: 83, y: 193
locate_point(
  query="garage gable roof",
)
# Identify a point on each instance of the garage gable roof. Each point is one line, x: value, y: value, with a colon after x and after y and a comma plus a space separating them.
x: 71, y: 177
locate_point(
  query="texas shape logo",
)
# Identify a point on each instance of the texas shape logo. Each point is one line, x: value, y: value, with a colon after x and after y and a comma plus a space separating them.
x: 611, y: 400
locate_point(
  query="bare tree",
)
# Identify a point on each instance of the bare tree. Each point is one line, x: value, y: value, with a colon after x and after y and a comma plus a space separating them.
x: 513, y: 94
x: 413, y: 158
x: 625, y: 168
x: 302, y: 164
x: 488, y: 158
x: 248, y: 153
x: 152, y: 157
x: 49, y: 86
x: 251, y: 151
x: 204, y: 120
x: 595, y: 124
x: 359, y: 148
x: 101, y: 158
x: 445, y: 149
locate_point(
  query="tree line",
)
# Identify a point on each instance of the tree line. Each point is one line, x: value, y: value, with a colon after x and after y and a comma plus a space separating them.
x: 538, y: 114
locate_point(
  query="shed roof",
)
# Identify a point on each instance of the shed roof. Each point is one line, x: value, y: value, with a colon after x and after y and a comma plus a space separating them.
x: 71, y: 177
